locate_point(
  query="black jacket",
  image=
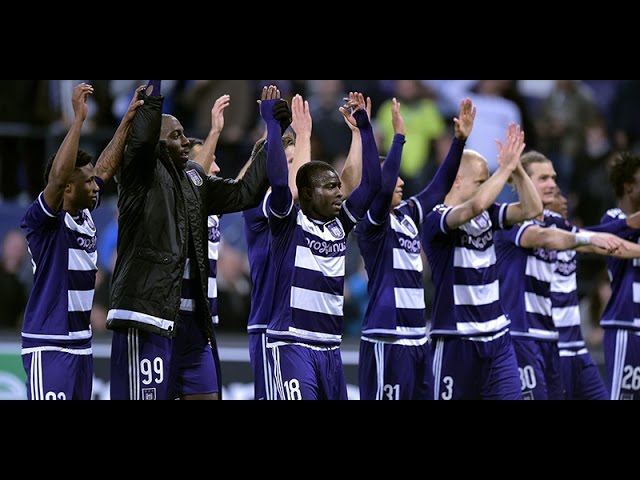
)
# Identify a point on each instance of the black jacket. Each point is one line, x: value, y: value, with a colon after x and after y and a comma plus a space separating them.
x: 159, y: 206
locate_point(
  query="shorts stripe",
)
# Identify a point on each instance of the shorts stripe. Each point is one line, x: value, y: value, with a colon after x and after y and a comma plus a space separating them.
x: 134, y: 364
x: 437, y: 368
x: 277, y: 373
x: 379, y: 355
x: 618, y: 364
x: 266, y: 369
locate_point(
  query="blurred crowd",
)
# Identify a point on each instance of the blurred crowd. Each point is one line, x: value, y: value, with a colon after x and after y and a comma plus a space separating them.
x: 578, y: 124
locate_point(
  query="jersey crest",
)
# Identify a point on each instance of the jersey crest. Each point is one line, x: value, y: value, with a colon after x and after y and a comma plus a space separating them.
x: 335, y: 230
x: 195, y: 177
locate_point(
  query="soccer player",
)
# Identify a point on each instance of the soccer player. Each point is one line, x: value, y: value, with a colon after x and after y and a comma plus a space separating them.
x: 580, y: 376
x: 308, y: 246
x: 258, y: 237
x: 621, y: 317
x: 472, y: 353
x: 56, y: 332
x: 162, y: 347
x: 256, y: 222
x: 395, y: 357
x: 527, y: 256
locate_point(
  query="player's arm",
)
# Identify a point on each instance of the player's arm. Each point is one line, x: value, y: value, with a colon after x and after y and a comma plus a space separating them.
x: 281, y: 201
x: 228, y: 196
x: 352, y: 170
x: 140, y: 154
x: 206, y: 155
x: 302, y: 124
x: 111, y: 157
x: 360, y: 200
x: 64, y: 162
x: 622, y: 227
x: 582, y: 241
x: 437, y: 190
x: 627, y: 250
x: 258, y: 147
x: 508, y: 159
x: 381, y: 205
x: 530, y: 205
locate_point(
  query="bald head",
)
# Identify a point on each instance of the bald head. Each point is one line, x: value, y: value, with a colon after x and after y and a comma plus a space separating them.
x: 473, y: 172
x: 169, y: 124
x: 473, y: 163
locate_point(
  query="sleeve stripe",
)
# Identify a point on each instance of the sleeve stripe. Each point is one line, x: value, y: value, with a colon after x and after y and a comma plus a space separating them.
x: 349, y: 214
x: 502, y: 215
x: 44, y: 206
x: 281, y: 216
x: 372, y: 220
x: 417, y: 202
x: 264, y: 204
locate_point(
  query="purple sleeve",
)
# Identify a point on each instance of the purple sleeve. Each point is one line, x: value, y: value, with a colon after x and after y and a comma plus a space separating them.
x: 277, y: 169
x: 445, y: 176
x: 617, y: 227
x: 390, y: 171
x: 361, y: 198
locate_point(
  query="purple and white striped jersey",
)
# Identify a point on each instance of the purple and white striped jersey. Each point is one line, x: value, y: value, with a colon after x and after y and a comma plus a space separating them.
x: 463, y: 265
x: 213, y: 230
x: 525, y: 279
x: 187, y: 294
x: 309, y: 266
x: 64, y: 258
x: 256, y: 228
x: 623, y: 309
x: 565, y: 303
x: 391, y: 253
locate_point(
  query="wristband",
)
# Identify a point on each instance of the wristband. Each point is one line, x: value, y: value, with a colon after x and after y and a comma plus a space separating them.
x: 583, y: 238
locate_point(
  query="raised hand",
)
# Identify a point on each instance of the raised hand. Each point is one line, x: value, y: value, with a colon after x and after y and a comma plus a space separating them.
x: 269, y: 93
x: 353, y: 103
x: 464, y: 122
x: 272, y: 106
x: 79, y: 100
x: 509, y: 153
x: 134, y: 105
x: 368, y: 107
x: 302, y: 122
x: 396, y: 118
x: 217, y: 113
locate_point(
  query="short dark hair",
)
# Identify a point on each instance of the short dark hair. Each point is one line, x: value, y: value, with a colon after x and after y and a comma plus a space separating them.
x: 193, y: 141
x: 287, y: 141
x: 623, y: 168
x: 82, y: 159
x: 309, y: 171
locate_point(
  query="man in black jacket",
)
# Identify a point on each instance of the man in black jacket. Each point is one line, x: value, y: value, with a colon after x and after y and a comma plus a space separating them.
x: 163, y: 333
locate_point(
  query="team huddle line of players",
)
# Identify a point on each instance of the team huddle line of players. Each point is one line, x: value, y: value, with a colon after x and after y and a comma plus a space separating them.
x: 505, y: 321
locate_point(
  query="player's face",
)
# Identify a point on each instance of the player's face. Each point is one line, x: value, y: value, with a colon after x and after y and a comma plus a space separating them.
x: 632, y: 188
x: 214, y: 169
x: 398, y: 193
x: 472, y: 175
x: 559, y: 204
x: 177, y: 144
x: 83, y: 187
x: 290, y: 152
x: 543, y: 177
x: 326, y: 200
